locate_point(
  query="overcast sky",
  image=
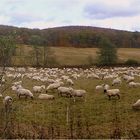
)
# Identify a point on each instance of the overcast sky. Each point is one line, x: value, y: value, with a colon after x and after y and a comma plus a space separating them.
x: 116, y: 14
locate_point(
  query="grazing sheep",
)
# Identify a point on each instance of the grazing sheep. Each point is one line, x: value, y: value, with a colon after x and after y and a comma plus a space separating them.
x: 24, y: 92
x: 65, y: 91
x: 78, y: 93
x: 106, y: 86
x: 54, y: 86
x: 38, y: 89
x: 7, y: 101
x: 46, y: 97
x: 17, y: 83
x: 128, y: 78
x: 116, y: 81
x: 133, y: 84
x: 70, y: 82
x: 136, y: 105
x: 15, y: 87
x: 112, y: 92
x: 99, y: 87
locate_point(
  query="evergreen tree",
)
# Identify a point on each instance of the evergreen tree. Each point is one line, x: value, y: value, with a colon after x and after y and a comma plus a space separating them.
x: 107, y: 52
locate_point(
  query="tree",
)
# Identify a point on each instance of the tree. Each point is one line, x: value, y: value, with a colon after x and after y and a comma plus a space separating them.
x: 35, y: 40
x: 107, y: 54
x: 7, y: 50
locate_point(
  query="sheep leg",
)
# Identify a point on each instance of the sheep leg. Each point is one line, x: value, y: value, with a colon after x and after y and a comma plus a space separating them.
x: 26, y: 97
x: 19, y: 96
x: 118, y: 96
x: 109, y: 97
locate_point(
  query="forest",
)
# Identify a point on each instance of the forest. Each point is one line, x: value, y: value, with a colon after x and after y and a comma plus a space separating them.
x: 72, y: 36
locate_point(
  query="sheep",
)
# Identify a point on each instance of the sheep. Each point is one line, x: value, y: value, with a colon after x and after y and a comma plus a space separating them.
x: 130, y: 79
x: 38, y: 89
x: 70, y: 82
x: 133, y: 84
x: 99, y: 87
x: 112, y: 92
x: 65, y: 91
x: 17, y: 83
x: 136, y: 105
x: 15, y: 87
x: 106, y: 86
x: 7, y: 101
x: 0, y: 95
x: 46, y: 97
x: 24, y: 92
x: 54, y: 86
x: 78, y: 93
x: 116, y: 81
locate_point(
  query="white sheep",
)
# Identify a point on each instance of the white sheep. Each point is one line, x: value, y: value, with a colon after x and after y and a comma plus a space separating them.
x: 38, y: 89
x: 54, y: 86
x: 65, y: 91
x: 70, y: 82
x: 133, y: 84
x: 106, y: 86
x: 112, y: 92
x: 136, y: 105
x: 7, y: 101
x: 24, y: 92
x: 116, y: 81
x: 46, y: 97
x: 78, y: 93
x: 130, y: 79
x: 17, y: 83
x: 99, y: 87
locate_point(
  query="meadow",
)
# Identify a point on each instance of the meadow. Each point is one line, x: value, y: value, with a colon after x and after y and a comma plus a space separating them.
x: 62, y: 118
x: 71, y: 56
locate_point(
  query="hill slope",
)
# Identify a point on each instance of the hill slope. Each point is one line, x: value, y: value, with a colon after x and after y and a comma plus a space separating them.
x: 73, y: 36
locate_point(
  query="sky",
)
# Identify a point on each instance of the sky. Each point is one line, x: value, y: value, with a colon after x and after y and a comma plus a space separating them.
x: 115, y: 14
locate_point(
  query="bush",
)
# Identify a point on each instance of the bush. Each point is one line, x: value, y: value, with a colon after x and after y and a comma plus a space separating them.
x: 90, y: 60
x: 131, y: 62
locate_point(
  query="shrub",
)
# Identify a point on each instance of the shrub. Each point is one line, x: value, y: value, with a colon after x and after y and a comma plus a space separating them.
x: 131, y: 62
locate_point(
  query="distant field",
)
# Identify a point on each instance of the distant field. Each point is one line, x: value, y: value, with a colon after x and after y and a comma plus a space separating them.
x: 73, y: 56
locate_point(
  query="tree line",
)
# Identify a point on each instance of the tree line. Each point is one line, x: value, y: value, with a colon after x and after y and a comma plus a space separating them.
x: 73, y: 36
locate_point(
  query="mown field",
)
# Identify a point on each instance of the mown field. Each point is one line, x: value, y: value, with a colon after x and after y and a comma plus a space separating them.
x: 72, y: 56
x: 97, y: 117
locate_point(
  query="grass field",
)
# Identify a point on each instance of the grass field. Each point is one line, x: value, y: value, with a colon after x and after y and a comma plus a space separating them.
x: 62, y: 118
x: 73, y: 56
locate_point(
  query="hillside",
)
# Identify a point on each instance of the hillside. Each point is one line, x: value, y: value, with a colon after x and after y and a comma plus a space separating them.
x: 73, y: 36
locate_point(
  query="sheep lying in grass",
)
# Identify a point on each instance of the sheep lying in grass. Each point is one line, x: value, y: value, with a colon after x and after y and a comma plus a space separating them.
x: 7, y: 101
x: 46, y: 97
x: 112, y: 92
x: 136, y: 105
x: 24, y: 92
x: 65, y: 91
x: 38, y: 89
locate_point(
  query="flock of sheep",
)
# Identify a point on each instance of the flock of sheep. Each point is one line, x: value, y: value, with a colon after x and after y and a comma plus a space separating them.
x: 62, y: 81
